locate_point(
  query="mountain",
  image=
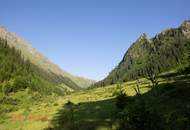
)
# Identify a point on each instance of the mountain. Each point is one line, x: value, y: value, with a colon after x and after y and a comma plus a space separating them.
x: 44, y: 67
x: 168, y: 49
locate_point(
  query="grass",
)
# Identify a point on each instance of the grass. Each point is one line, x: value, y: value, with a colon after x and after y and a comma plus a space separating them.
x: 38, y: 115
x: 86, y: 115
x: 92, y: 109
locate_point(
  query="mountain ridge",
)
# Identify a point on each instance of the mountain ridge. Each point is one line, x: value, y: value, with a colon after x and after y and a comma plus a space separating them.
x: 168, y: 46
x: 38, y: 58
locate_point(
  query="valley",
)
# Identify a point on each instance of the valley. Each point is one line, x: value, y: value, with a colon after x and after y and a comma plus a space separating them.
x: 92, y: 100
x: 148, y: 90
x: 93, y: 109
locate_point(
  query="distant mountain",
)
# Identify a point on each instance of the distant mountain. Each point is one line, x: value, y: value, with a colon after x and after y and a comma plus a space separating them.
x: 168, y: 49
x: 42, y: 65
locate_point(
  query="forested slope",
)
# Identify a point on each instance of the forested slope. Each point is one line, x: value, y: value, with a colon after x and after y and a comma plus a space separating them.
x: 17, y: 73
x: 167, y: 50
x: 44, y: 65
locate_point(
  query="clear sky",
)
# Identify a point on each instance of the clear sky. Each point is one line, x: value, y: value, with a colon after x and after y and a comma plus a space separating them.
x: 89, y: 37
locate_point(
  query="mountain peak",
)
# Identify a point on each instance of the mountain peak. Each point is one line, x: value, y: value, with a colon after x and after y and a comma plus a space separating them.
x: 143, y: 37
x: 186, y: 28
x: 186, y: 24
x: 167, y: 47
x: 3, y: 27
x: 3, y: 31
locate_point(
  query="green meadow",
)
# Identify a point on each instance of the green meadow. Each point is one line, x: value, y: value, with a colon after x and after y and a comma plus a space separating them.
x: 93, y: 109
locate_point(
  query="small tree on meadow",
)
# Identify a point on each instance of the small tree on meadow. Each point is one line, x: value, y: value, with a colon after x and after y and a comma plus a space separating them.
x: 188, y: 56
x: 137, y: 87
x: 152, y: 71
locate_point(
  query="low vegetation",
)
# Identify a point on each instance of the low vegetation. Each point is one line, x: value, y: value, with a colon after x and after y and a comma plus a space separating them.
x: 114, y: 107
x: 168, y: 110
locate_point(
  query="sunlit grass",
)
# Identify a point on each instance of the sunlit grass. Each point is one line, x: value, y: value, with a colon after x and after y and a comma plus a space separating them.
x: 33, y: 115
x: 36, y: 116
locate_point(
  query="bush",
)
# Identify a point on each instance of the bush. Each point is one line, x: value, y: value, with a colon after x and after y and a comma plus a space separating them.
x: 14, y: 84
x: 7, y: 87
x: 122, y: 100
x: 56, y: 104
x: 138, y: 117
x: 179, y: 120
x: 9, y: 100
x: 21, y: 82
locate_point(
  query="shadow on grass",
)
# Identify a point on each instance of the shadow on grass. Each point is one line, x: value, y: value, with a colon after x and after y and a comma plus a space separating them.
x: 177, y: 76
x: 171, y: 97
x: 85, y: 116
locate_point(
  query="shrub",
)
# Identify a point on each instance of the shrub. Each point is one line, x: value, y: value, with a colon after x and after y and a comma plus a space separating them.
x: 9, y: 100
x: 179, y: 120
x: 122, y: 100
x: 21, y: 82
x: 7, y: 87
x: 138, y: 117
x: 55, y: 104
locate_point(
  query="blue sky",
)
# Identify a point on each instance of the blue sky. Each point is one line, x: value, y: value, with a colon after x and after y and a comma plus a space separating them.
x: 89, y: 37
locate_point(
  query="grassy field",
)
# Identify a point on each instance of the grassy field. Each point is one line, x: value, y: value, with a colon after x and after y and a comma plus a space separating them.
x: 92, y: 109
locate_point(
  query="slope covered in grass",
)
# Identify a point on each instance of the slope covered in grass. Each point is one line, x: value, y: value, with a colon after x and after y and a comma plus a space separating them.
x: 168, y: 109
x: 96, y: 108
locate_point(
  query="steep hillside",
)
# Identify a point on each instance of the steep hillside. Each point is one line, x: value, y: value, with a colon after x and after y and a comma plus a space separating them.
x: 51, y: 70
x: 17, y: 73
x: 168, y: 49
